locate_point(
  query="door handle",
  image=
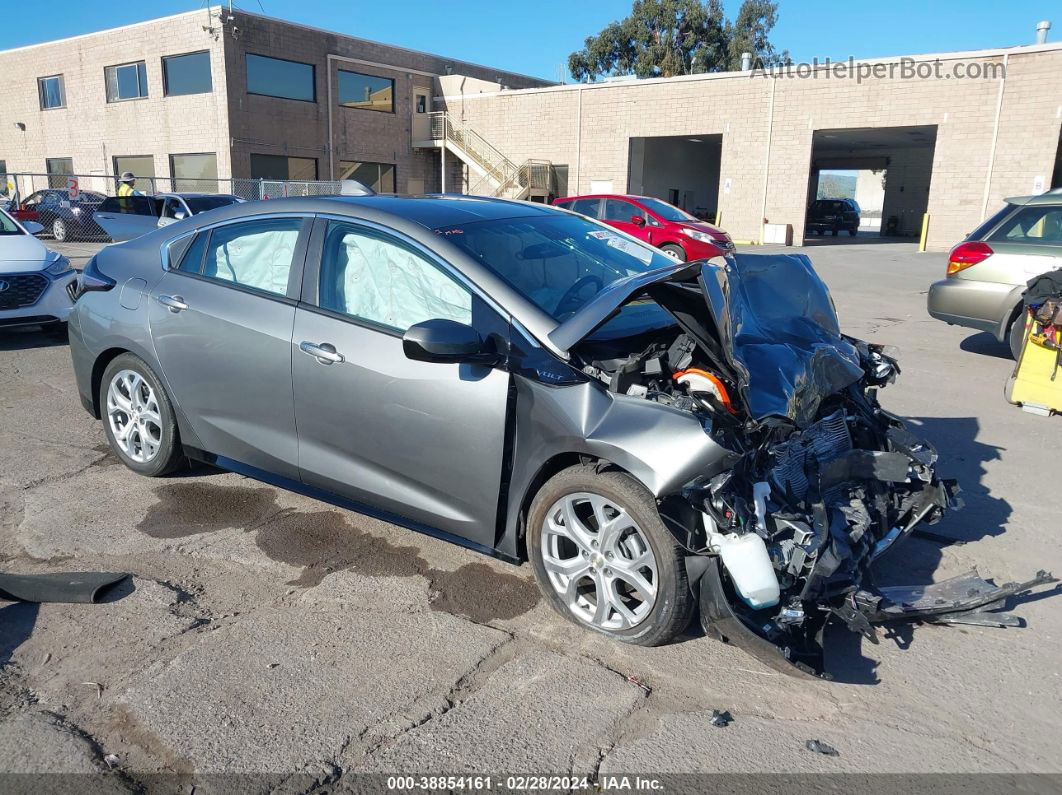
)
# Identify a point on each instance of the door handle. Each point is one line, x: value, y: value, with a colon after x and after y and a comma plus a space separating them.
x: 175, y: 303
x: 324, y: 352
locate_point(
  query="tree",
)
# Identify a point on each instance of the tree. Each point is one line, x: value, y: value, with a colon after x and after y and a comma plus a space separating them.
x: 664, y: 38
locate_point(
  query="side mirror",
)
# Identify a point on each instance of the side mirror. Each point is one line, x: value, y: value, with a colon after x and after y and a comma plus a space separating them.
x: 637, y: 220
x: 180, y: 215
x: 33, y: 227
x: 445, y: 341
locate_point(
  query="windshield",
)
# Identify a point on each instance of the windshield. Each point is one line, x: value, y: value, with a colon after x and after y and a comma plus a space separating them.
x: 203, y: 203
x: 668, y: 212
x: 557, y: 262
x: 7, y: 226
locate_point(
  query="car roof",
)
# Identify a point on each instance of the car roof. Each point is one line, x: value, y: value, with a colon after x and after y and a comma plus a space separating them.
x: 430, y: 212
x: 196, y: 195
x: 1051, y: 197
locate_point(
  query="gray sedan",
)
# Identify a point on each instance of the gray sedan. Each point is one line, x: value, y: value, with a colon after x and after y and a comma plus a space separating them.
x: 527, y: 382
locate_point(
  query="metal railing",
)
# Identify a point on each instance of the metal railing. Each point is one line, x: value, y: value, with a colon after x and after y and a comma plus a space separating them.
x: 72, y: 199
x: 499, y: 176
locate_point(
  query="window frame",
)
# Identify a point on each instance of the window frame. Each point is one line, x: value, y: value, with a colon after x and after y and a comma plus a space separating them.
x: 391, y: 80
x: 298, y: 259
x: 174, y: 178
x: 62, y: 91
x: 247, y: 74
x: 309, y: 296
x: 141, y: 71
x: 165, y: 77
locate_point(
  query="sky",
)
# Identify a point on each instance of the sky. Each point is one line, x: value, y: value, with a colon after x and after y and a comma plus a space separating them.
x: 534, y: 37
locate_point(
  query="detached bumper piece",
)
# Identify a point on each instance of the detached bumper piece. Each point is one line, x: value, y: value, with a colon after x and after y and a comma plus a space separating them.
x: 966, y: 599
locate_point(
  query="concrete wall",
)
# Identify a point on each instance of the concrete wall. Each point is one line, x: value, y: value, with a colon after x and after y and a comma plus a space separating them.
x: 767, y: 126
x: 89, y: 129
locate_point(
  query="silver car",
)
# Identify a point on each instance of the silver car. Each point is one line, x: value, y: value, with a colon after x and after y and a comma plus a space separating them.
x: 530, y: 383
x: 989, y: 270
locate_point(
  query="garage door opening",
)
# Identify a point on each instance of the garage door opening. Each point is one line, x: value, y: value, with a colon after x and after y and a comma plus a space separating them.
x: 869, y: 185
x: 683, y: 170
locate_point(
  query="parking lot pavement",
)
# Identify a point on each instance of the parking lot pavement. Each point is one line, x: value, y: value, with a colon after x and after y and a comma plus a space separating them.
x: 268, y: 633
x: 78, y: 252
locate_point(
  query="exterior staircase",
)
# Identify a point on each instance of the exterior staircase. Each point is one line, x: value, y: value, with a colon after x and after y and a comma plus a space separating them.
x: 491, y: 172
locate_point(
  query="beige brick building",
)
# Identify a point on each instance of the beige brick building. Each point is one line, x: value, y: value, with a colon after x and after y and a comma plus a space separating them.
x: 211, y: 94
x: 208, y: 94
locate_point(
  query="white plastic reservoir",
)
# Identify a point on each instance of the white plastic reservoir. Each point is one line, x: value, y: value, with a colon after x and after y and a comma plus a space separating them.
x: 746, y: 560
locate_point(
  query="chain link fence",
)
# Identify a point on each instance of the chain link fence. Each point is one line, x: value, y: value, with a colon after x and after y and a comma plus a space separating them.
x: 67, y: 205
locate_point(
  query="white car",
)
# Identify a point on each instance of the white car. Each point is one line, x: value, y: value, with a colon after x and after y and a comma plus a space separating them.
x: 124, y: 218
x: 33, y: 279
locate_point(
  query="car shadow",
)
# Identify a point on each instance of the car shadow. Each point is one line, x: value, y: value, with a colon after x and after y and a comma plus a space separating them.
x: 915, y: 561
x: 25, y: 338
x: 17, y: 621
x: 986, y: 344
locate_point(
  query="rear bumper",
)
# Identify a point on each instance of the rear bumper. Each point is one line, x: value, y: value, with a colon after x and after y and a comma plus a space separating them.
x: 986, y: 306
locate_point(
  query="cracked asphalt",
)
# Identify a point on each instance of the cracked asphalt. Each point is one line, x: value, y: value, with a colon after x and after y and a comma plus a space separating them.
x: 266, y: 633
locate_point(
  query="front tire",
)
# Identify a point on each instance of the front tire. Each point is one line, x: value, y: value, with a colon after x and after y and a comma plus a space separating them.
x: 60, y: 231
x: 138, y: 417
x: 604, y: 559
x: 674, y: 251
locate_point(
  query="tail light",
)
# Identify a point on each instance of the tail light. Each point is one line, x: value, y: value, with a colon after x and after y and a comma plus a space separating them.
x: 966, y: 254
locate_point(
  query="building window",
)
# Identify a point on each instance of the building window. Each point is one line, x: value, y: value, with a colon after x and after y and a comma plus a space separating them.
x: 186, y: 74
x: 141, y: 166
x: 127, y: 81
x: 3, y: 178
x: 275, y: 77
x: 378, y: 176
x: 197, y: 173
x: 57, y: 168
x: 366, y: 92
x: 52, y: 92
x: 283, y: 167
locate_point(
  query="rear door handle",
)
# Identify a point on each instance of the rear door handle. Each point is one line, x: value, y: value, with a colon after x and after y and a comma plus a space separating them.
x: 175, y: 303
x: 323, y: 352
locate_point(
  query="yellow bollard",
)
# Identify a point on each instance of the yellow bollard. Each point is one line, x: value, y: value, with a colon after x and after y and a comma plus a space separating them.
x: 925, y: 232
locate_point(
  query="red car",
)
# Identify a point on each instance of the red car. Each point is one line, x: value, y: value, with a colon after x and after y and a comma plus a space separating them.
x: 654, y: 221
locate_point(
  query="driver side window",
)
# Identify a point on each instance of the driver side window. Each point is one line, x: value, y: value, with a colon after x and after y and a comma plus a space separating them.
x: 375, y: 278
x: 619, y: 210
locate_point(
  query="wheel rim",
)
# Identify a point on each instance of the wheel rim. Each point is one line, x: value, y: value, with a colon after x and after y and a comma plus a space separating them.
x: 133, y: 414
x: 599, y: 561
x: 58, y: 229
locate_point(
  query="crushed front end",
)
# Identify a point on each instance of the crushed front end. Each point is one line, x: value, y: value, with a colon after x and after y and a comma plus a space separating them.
x: 821, y: 481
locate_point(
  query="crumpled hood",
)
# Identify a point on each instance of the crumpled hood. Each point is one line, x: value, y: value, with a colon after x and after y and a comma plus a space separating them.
x: 767, y: 321
x: 21, y: 253
x: 776, y: 321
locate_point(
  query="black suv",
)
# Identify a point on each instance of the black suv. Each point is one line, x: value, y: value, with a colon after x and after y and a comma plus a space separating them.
x: 833, y: 215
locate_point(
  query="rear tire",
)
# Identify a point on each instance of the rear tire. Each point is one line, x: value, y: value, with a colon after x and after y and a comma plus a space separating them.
x: 60, y: 231
x: 674, y: 250
x: 628, y: 581
x: 138, y: 417
x: 1016, y: 336
x: 836, y: 232
x: 853, y: 231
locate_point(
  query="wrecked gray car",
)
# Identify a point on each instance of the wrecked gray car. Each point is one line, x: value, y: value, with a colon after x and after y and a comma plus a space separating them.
x: 650, y: 435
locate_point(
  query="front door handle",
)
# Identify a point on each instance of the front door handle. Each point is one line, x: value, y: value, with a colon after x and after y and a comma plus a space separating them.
x: 174, y: 302
x: 323, y: 352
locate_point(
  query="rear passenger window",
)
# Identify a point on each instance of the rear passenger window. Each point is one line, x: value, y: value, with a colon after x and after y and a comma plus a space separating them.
x: 192, y: 261
x: 619, y: 210
x: 1034, y: 225
x: 587, y: 207
x: 255, y: 254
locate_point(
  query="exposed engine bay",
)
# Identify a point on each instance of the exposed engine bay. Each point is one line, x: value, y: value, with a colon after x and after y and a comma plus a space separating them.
x: 825, y: 480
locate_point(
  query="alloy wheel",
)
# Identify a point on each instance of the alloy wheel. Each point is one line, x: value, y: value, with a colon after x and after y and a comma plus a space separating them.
x: 133, y: 415
x: 59, y: 229
x: 599, y: 561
